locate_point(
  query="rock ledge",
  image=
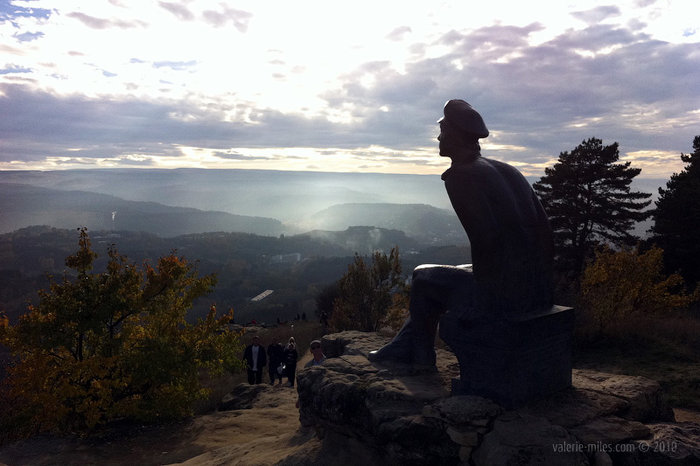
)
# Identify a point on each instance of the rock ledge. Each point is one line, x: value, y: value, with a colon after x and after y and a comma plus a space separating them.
x: 410, y: 418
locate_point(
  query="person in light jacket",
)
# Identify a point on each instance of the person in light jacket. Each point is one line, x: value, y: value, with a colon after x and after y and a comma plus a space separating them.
x: 290, y: 360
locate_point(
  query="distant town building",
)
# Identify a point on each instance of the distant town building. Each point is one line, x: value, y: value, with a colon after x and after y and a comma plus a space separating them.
x: 262, y: 295
x: 292, y: 258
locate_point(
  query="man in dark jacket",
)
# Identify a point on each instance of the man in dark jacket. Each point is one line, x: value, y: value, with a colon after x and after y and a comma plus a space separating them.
x: 276, y: 357
x: 255, y: 359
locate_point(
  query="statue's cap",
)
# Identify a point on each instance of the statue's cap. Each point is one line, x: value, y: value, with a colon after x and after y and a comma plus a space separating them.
x: 462, y: 116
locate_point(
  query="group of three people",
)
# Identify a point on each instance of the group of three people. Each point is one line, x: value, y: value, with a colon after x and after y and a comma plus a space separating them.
x: 281, y: 361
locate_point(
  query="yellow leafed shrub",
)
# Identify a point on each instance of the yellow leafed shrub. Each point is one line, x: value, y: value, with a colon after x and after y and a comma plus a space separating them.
x: 620, y: 284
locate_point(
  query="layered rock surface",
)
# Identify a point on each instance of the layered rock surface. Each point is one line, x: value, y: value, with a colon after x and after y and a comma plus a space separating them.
x: 410, y: 418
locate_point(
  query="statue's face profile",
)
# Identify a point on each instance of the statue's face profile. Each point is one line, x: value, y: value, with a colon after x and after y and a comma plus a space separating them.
x: 449, y: 140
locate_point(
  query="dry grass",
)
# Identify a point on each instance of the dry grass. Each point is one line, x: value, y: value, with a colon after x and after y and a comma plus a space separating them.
x: 666, y: 349
x: 302, y: 331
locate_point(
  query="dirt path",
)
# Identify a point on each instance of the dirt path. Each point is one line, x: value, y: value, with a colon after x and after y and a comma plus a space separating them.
x: 263, y: 435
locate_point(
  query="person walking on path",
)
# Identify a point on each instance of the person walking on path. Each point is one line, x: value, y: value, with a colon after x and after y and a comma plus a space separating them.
x: 290, y: 360
x: 255, y: 359
x: 275, y: 355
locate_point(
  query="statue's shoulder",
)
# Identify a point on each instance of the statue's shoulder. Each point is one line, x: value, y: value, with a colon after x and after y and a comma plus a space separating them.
x: 473, y: 170
x: 496, y: 165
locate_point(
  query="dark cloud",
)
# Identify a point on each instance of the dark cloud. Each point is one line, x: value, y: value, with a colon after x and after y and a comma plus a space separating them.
x: 101, y: 23
x: 10, y: 50
x: 239, y: 156
x: 399, y: 33
x: 548, y: 98
x: 146, y: 162
x: 645, y: 3
x: 180, y: 11
x: 491, y: 40
x: 73, y: 162
x: 239, y: 18
x: 601, y: 81
x: 596, y: 15
x: 174, y: 65
x: 45, y: 125
x: 90, y: 21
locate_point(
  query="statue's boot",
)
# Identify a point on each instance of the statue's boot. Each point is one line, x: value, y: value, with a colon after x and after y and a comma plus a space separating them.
x: 399, y: 349
x: 407, y: 347
x: 420, y: 361
x: 396, y: 350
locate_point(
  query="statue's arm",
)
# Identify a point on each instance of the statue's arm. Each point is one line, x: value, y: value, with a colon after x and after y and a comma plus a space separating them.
x: 474, y: 208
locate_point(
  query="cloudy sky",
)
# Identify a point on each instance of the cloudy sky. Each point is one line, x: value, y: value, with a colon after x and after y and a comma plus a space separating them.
x: 342, y: 86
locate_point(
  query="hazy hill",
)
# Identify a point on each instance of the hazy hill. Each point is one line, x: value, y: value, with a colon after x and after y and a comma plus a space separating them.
x: 284, y: 195
x: 24, y: 205
x: 365, y: 239
x: 182, y: 201
x: 426, y: 224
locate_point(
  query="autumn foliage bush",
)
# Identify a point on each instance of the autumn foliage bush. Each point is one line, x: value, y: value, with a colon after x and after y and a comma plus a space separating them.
x: 114, y: 345
x: 372, y: 295
x: 622, y: 285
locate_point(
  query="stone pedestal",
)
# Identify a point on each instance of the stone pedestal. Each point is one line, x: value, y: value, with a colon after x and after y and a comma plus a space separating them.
x: 409, y: 418
x: 513, y: 362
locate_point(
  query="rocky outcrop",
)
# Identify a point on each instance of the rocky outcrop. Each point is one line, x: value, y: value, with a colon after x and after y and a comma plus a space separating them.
x: 411, y: 418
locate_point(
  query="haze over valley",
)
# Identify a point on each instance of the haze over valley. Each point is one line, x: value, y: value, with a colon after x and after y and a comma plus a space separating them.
x: 253, y: 201
x: 284, y: 195
x: 291, y: 232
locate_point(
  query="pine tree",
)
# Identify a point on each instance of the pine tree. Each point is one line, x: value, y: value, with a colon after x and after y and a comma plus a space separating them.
x: 587, y: 197
x: 676, y: 227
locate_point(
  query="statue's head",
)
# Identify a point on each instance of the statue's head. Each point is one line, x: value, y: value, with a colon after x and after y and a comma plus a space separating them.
x: 464, y: 119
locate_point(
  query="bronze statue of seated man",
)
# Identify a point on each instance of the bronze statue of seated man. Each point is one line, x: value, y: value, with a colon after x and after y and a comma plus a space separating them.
x: 511, y: 245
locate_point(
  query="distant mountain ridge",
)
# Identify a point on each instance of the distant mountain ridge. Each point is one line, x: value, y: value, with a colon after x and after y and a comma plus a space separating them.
x: 284, y: 195
x: 412, y: 225
x: 264, y: 202
x: 24, y: 205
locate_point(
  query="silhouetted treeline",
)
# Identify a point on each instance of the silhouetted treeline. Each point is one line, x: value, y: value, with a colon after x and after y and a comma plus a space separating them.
x: 295, y: 267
